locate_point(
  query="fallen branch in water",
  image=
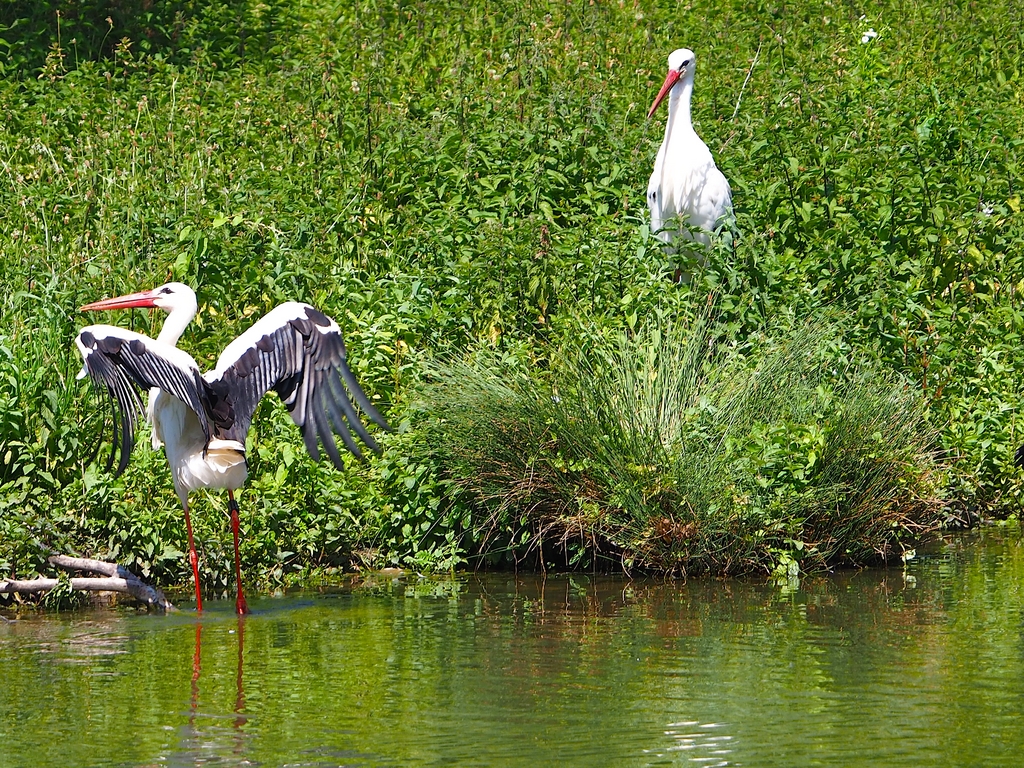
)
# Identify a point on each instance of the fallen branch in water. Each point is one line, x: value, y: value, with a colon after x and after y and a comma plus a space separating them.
x: 117, y: 579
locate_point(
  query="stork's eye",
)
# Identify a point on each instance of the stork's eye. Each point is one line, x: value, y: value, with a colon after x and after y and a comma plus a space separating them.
x: 166, y: 291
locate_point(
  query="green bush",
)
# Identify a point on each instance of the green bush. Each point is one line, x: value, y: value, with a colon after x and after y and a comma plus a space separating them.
x: 670, y: 451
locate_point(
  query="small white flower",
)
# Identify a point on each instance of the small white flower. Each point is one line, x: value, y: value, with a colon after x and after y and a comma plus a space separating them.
x: 868, y: 36
x: 987, y: 210
x: 355, y: 86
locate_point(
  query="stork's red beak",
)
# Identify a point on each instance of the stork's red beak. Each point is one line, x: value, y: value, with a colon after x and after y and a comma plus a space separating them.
x: 141, y: 299
x: 670, y: 79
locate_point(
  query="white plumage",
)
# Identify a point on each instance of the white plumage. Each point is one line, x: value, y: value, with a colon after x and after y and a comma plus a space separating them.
x: 202, y: 420
x: 686, y: 186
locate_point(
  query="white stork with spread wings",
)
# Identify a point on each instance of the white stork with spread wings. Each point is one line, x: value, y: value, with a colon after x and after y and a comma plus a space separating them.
x: 686, y: 187
x: 202, y: 419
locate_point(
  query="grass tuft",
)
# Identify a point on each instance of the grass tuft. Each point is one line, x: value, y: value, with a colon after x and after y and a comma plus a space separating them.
x: 671, y: 451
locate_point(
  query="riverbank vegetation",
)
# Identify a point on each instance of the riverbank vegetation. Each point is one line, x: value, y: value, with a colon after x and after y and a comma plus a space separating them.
x: 462, y: 187
x: 663, y: 451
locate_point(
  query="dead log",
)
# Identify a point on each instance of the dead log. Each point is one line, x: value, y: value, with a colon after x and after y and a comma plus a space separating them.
x: 116, y: 579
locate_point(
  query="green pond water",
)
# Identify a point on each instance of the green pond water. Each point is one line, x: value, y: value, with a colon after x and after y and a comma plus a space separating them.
x: 915, y: 667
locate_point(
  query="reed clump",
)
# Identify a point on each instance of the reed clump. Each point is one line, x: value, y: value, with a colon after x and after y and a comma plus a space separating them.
x: 673, y: 451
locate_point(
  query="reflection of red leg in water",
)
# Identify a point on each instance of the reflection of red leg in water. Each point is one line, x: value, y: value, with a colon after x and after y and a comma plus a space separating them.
x: 239, y: 689
x: 240, y: 717
x: 196, y: 657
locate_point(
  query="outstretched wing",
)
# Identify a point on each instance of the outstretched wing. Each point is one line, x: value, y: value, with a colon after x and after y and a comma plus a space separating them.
x: 298, y: 352
x: 123, y: 362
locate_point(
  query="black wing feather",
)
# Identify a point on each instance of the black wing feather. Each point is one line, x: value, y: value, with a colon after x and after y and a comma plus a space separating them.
x: 360, y: 396
x: 323, y: 429
x: 350, y: 414
x: 122, y: 365
x: 335, y: 405
x: 298, y: 352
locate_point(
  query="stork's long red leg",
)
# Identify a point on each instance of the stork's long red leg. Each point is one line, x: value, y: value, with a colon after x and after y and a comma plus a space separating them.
x: 193, y: 558
x: 240, y: 604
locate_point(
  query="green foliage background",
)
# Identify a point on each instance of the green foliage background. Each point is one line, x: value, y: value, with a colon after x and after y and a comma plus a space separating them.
x: 442, y: 175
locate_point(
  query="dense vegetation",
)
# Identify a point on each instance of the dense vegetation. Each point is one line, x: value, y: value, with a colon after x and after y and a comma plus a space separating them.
x: 665, y: 452
x: 447, y: 177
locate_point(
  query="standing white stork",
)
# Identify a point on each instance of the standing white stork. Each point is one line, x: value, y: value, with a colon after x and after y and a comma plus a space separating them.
x: 686, y: 184
x: 202, y: 419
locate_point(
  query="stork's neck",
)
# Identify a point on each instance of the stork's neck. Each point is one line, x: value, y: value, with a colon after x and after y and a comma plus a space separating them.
x: 678, y: 122
x: 176, y: 323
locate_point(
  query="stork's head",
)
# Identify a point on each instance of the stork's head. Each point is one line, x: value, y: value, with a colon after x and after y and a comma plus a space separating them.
x: 681, y: 64
x: 168, y: 297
